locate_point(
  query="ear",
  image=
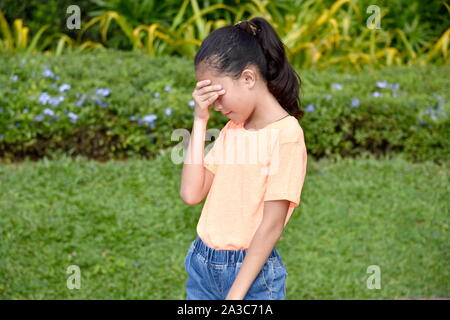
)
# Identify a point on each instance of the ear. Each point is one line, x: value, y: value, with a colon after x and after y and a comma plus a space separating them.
x: 248, y: 77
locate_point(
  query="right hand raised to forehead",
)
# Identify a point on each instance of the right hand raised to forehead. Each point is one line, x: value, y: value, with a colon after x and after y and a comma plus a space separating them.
x: 204, y: 95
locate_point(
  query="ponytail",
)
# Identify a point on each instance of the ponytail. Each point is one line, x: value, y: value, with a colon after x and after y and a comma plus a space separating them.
x: 282, y: 80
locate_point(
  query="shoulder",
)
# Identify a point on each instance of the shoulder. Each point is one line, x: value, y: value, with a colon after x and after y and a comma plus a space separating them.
x: 290, y: 131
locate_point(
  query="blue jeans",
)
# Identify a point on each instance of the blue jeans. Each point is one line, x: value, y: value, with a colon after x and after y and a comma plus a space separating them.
x: 211, y: 273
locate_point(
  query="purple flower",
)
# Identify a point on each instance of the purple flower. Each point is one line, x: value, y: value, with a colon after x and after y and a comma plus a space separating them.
x: 48, y: 111
x: 192, y: 103
x: 56, y: 101
x: 15, y: 77
x: 168, y: 88
x: 150, y: 120
x: 48, y: 73
x: 64, y: 87
x: 80, y: 102
x: 355, y: 103
x: 382, y: 84
x: 168, y: 111
x: 101, y: 102
x: 336, y: 86
x: 309, y: 108
x: 376, y: 94
x: 133, y: 118
x: 1, y: 136
x: 39, y: 117
x: 25, y: 110
x: 73, y: 117
x: 436, y: 113
x: 103, y: 92
x: 395, y: 86
x: 44, y: 98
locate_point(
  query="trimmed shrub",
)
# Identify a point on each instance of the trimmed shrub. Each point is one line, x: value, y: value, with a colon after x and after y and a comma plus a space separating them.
x: 119, y: 104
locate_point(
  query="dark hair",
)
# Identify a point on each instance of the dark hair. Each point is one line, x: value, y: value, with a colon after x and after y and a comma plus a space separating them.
x: 230, y: 49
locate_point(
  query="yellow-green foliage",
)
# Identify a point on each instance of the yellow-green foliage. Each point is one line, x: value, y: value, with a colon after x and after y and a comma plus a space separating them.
x: 315, y: 38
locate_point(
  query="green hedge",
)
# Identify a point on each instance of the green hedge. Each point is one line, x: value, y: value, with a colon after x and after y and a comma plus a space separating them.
x: 103, y: 105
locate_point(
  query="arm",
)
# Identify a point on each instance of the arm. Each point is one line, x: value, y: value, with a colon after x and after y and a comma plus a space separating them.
x: 193, y: 173
x: 263, y: 242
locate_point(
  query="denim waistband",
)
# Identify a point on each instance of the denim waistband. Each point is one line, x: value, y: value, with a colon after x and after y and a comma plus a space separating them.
x: 224, y: 256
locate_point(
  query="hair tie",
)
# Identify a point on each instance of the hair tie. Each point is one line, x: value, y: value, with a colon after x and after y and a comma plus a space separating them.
x: 248, y: 26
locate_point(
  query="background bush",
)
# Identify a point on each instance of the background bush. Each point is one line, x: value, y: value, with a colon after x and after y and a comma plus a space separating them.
x: 120, y: 104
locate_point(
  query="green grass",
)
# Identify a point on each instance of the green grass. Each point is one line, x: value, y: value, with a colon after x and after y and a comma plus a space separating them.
x: 125, y: 226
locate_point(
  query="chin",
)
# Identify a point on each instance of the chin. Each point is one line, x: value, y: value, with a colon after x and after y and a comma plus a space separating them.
x: 230, y: 115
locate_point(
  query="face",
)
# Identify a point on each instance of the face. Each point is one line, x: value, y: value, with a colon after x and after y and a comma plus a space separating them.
x: 238, y: 101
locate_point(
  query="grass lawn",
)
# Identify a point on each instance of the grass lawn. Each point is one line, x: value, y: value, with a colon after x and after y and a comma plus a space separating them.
x: 125, y: 226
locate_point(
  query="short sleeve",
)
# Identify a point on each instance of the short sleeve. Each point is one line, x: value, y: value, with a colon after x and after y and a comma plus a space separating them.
x: 210, y: 161
x: 287, y: 173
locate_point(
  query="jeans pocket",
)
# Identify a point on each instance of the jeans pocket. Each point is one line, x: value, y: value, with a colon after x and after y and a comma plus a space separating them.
x: 279, y: 283
x: 268, y: 276
x: 261, y: 288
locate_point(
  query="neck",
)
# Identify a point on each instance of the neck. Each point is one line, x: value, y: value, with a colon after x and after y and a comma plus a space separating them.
x: 264, y: 113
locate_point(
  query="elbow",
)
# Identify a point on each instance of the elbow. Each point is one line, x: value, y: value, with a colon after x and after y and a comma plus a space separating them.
x: 188, y: 198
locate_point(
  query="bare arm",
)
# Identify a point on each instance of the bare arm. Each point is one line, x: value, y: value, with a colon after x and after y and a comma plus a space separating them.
x: 263, y: 242
x: 193, y: 174
x: 196, y: 179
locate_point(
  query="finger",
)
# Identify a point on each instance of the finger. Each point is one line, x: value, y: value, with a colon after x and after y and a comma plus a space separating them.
x: 203, y: 83
x: 209, y: 97
x: 207, y: 89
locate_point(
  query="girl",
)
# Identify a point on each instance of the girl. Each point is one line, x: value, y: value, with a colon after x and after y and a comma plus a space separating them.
x: 244, y: 72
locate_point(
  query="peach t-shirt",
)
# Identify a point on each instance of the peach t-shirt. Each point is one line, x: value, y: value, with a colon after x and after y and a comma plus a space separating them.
x: 250, y: 167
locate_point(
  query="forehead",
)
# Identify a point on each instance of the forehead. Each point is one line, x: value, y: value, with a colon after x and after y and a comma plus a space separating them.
x: 215, y: 79
x: 205, y: 74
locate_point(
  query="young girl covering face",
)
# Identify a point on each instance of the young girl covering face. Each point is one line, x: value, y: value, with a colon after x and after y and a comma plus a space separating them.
x: 242, y: 71
x: 244, y: 100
